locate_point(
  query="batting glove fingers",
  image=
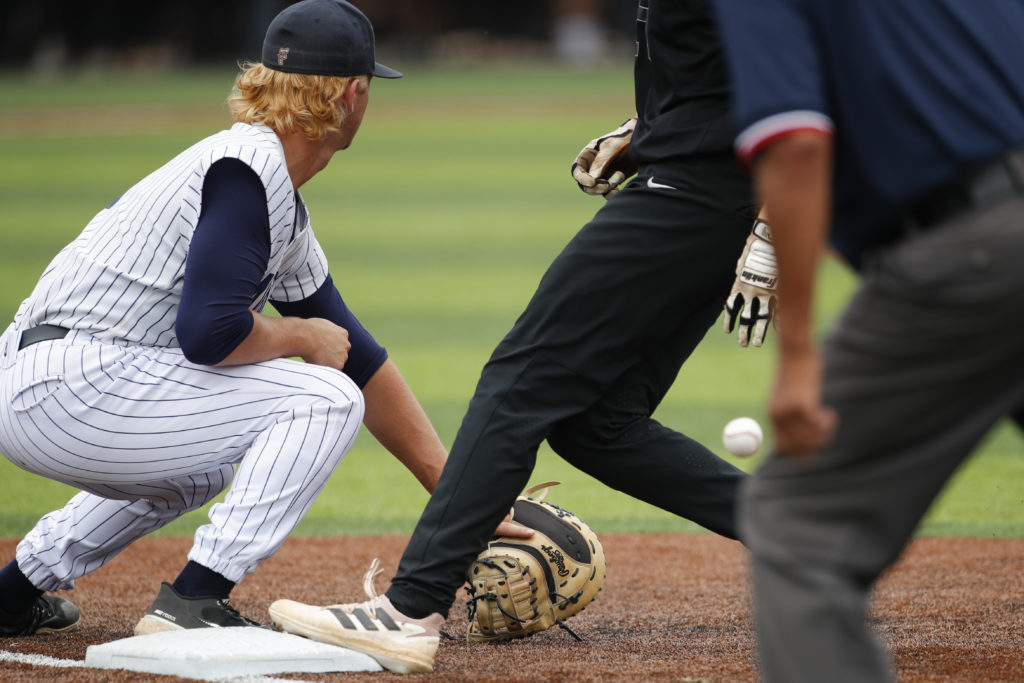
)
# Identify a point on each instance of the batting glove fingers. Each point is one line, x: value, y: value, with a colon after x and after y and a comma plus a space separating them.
x: 751, y: 302
x: 604, y: 163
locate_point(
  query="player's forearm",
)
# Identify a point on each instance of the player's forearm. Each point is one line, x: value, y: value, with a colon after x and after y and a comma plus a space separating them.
x: 794, y: 179
x: 271, y: 338
x: 398, y: 422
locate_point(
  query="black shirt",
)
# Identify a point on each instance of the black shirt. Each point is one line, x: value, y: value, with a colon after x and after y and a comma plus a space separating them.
x: 682, y: 92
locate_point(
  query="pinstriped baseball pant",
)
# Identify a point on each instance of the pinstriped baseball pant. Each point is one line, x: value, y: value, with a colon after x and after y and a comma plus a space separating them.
x: 148, y: 436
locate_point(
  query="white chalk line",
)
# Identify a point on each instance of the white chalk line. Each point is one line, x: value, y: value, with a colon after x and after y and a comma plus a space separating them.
x: 38, y: 660
x: 44, y: 660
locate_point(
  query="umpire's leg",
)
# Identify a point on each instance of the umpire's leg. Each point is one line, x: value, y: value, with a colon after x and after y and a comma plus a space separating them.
x: 919, y: 369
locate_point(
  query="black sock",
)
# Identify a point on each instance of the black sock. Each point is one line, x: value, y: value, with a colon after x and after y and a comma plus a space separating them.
x: 197, y: 581
x: 404, y: 607
x: 16, y: 592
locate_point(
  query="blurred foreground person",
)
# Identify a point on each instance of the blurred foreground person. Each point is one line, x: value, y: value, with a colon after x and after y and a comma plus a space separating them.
x: 892, y: 129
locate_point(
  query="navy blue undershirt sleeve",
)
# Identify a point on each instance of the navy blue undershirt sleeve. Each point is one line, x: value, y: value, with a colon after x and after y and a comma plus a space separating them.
x: 366, y: 355
x: 226, y: 262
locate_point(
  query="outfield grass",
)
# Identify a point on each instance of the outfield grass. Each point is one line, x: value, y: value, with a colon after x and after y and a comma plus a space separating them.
x: 438, y: 223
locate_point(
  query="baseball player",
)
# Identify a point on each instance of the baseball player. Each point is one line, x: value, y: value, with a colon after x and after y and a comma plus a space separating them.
x: 143, y: 371
x: 894, y: 129
x: 599, y: 344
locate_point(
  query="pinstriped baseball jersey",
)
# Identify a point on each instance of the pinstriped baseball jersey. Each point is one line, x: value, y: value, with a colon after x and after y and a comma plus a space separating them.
x: 121, y: 279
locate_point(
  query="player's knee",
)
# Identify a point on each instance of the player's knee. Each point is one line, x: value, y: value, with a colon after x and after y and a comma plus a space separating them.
x: 337, y: 393
x: 574, y: 437
x: 565, y: 441
x: 328, y: 411
x: 593, y: 431
x: 339, y: 411
x: 342, y: 396
x: 348, y: 400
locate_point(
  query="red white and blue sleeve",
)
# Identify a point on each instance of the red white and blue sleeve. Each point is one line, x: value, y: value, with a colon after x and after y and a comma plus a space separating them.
x: 778, y: 97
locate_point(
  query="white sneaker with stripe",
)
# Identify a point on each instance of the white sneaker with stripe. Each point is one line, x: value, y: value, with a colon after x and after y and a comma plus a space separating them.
x: 399, y: 643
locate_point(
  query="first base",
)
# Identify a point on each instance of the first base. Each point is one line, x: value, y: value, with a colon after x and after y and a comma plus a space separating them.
x: 216, y: 653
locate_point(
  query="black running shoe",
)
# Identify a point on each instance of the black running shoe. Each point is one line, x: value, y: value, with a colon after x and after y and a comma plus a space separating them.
x: 172, y: 611
x: 47, y: 614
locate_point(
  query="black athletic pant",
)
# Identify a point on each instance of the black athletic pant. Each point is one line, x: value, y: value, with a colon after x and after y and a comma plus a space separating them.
x: 585, y: 366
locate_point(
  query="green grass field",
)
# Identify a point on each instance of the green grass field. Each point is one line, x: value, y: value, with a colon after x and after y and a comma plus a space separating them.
x: 438, y: 223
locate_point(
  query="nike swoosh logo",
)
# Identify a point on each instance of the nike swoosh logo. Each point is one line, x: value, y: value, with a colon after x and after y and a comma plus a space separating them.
x: 658, y: 186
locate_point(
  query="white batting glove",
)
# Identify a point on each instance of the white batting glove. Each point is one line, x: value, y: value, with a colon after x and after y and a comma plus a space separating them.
x: 604, y: 163
x: 752, y: 299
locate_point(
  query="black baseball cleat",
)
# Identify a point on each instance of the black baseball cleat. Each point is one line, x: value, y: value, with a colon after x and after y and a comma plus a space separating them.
x: 172, y: 611
x: 46, y: 615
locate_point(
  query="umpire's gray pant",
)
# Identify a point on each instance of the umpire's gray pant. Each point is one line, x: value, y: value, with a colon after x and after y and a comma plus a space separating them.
x: 925, y: 360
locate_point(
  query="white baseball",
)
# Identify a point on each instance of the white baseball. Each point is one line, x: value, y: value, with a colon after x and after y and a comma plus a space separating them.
x: 742, y: 436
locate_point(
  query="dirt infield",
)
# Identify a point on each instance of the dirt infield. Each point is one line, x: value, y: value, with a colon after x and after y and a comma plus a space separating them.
x: 673, y: 608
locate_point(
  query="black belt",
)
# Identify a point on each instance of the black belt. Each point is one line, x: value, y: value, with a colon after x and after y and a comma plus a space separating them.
x: 977, y: 188
x: 40, y: 333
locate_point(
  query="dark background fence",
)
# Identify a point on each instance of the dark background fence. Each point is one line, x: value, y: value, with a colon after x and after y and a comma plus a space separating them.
x: 48, y: 35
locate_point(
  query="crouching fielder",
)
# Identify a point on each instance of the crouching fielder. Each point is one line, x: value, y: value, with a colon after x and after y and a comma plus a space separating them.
x: 142, y: 370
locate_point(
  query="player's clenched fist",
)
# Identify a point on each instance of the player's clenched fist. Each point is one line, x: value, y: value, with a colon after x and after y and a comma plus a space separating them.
x: 328, y: 344
x: 604, y: 163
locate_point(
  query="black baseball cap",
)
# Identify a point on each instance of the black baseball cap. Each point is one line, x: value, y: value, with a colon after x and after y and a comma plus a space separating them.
x: 325, y: 37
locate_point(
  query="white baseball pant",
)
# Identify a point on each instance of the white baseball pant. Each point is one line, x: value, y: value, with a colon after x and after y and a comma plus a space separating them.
x: 148, y: 436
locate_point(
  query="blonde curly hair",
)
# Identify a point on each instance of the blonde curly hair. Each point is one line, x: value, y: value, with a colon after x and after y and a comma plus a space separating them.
x: 288, y: 102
